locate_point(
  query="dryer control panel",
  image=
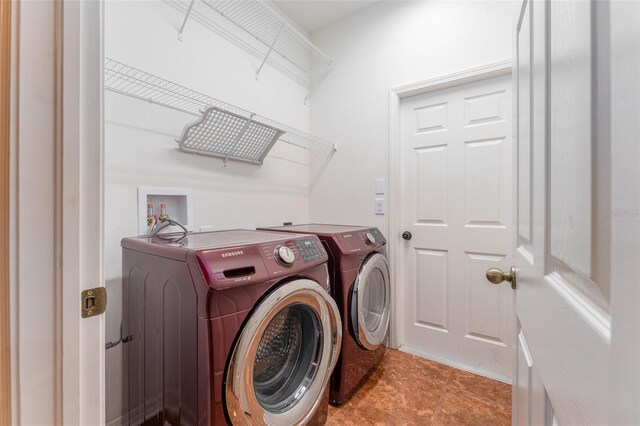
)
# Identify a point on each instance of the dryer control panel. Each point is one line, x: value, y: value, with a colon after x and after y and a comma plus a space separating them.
x: 378, y: 235
x: 361, y: 240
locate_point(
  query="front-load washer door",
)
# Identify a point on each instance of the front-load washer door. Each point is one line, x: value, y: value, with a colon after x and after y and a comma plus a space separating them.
x: 283, y: 358
x: 371, y: 302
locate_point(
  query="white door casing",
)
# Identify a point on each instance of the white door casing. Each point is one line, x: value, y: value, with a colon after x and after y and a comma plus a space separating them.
x: 456, y: 199
x: 81, y: 212
x: 56, y: 244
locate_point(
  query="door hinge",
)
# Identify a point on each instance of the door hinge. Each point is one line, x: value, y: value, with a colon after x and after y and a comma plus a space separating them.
x: 93, y: 302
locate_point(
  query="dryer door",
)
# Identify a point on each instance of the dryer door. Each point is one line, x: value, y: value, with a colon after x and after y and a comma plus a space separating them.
x: 283, y: 358
x: 371, y: 302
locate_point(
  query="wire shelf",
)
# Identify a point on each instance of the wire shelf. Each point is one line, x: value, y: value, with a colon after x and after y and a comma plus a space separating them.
x: 222, y: 129
x: 264, y: 24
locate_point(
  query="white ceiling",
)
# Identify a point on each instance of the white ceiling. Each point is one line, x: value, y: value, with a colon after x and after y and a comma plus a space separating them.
x: 311, y: 15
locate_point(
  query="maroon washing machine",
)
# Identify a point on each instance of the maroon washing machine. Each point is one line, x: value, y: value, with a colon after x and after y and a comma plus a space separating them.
x: 361, y: 285
x: 227, y: 327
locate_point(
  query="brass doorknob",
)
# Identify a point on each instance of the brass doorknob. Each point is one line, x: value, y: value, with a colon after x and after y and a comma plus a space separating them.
x: 497, y: 276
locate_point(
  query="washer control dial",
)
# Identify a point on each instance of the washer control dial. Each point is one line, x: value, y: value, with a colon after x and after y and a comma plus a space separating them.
x: 369, y: 238
x: 285, y: 255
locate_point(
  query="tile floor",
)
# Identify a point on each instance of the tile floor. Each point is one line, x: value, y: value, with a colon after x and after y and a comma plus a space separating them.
x: 408, y: 390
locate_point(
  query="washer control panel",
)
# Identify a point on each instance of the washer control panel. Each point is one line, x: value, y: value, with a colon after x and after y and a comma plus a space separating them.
x: 231, y: 266
x: 285, y: 255
x: 310, y: 249
x: 369, y: 238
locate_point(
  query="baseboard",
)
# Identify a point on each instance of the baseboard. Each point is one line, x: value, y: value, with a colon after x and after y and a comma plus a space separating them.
x: 460, y: 366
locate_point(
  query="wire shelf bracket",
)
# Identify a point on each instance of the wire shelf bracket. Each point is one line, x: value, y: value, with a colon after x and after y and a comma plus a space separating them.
x: 221, y: 130
x: 275, y: 40
x: 186, y: 17
x: 265, y: 25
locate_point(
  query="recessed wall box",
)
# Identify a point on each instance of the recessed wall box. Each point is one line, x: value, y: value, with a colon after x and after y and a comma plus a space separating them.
x: 178, y: 201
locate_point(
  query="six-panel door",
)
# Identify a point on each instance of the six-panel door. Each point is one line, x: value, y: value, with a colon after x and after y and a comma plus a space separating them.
x: 456, y: 200
x: 562, y: 247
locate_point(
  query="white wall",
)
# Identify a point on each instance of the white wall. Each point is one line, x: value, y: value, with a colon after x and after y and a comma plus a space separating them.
x: 140, y: 148
x: 388, y: 45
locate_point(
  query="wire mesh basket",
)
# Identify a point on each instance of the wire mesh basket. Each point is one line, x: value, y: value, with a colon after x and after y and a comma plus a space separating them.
x: 231, y: 136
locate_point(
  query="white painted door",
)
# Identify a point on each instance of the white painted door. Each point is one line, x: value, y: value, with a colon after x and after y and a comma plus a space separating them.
x: 564, y: 248
x: 456, y: 201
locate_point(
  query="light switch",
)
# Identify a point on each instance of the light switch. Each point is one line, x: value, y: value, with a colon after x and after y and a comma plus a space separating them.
x: 379, y: 186
x: 379, y: 206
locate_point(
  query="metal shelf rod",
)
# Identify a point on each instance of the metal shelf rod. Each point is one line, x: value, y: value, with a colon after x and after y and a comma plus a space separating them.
x: 186, y: 18
x: 268, y: 52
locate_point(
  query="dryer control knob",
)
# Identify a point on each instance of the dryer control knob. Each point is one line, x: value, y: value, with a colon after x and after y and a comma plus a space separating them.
x: 285, y: 255
x: 369, y: 238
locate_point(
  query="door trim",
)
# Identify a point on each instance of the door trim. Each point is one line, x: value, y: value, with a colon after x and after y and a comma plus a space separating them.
x: 5, y: 135
x: 396, y: 94
x: 81, y: 210
x: 71, y: 354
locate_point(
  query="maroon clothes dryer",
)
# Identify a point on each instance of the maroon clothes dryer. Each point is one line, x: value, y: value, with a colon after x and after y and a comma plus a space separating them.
x: 361, y: 286
x: 227, y: 327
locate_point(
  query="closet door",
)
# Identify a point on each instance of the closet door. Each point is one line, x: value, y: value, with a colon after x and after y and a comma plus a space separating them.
x: 564, y: 246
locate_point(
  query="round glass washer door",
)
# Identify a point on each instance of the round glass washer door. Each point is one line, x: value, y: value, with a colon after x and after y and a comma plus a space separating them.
x: 284, y: 356
x: 371, y: 302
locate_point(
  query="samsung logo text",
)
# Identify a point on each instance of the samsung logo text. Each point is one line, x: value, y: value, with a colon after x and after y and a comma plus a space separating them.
x: 233, y: 253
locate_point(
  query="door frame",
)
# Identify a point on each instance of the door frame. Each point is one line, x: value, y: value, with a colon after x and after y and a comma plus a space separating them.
x: 71, y: 90
x: 6, y: 56
x: 80, y: 209
x: 396, y: 95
